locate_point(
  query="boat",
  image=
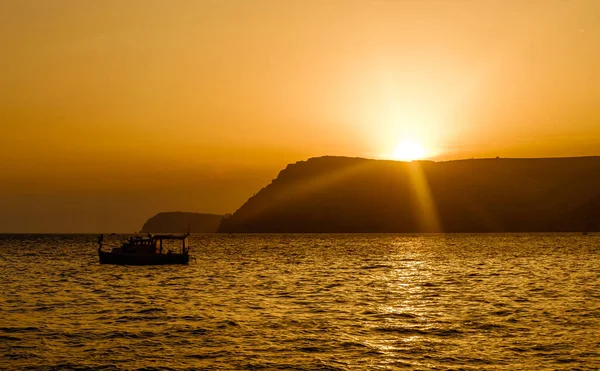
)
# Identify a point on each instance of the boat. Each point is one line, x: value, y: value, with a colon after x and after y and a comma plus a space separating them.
x: 147, y: 250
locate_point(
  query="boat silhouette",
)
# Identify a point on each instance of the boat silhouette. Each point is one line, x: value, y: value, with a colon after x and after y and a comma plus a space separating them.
x: 145, y: 251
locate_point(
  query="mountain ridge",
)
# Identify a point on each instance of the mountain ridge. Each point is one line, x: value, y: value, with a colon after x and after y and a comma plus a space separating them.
x: 344, y: 194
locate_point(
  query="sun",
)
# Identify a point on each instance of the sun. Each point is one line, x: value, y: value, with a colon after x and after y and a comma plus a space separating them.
x: 409, y: 150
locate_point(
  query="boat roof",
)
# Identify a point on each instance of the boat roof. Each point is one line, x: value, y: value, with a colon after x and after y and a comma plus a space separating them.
x: 169, y: 237
x: 161, y: 237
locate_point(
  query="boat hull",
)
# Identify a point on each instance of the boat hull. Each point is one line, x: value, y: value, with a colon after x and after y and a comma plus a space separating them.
x: 130, y: 259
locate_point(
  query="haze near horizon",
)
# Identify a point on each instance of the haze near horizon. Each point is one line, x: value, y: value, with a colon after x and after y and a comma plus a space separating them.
x: 113, y: 111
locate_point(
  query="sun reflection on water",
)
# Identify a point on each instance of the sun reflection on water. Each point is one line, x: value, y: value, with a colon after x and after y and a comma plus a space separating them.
x: 307, y: 302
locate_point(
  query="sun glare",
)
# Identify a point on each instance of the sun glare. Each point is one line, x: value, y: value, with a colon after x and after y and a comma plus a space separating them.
x: 409, y: 150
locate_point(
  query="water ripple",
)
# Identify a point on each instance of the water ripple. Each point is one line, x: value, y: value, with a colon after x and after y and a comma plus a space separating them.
x: 305, y: 302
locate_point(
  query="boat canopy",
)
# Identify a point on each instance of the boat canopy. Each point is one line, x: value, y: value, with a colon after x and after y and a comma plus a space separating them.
x: 168, y: 237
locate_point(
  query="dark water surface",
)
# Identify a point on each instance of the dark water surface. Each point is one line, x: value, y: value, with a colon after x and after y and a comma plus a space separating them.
x: 306, y: 302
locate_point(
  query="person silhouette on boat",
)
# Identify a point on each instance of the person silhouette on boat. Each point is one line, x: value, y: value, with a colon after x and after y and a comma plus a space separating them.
x: 100, y: 240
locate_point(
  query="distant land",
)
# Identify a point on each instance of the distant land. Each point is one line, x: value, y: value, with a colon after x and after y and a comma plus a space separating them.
x: 340, y: 194
x: 178, y: 222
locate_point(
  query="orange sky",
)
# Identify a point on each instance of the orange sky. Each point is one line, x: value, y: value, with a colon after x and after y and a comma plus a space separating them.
x: 111, y: 111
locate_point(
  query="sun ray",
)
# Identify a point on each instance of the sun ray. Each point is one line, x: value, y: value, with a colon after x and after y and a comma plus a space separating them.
x: 427, y: 214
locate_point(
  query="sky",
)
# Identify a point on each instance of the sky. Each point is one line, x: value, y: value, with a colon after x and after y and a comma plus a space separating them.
x: 111, y: 111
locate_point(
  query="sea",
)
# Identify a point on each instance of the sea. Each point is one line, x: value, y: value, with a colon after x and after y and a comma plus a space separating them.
x: 305, y: 302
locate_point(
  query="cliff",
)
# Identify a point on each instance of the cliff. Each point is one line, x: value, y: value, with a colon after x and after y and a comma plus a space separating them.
x: 178, y: 222
x: 339, y: 194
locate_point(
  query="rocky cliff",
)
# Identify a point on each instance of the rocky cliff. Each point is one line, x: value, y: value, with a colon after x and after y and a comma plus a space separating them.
x: 339, y: 194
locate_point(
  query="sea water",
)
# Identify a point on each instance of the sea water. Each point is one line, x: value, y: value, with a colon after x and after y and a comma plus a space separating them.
x: 306, y: 302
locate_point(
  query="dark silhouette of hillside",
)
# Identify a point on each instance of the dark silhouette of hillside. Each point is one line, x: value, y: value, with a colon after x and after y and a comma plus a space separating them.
x: 339, y: 194
x: 585, y: 217
x: 178, y: 222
